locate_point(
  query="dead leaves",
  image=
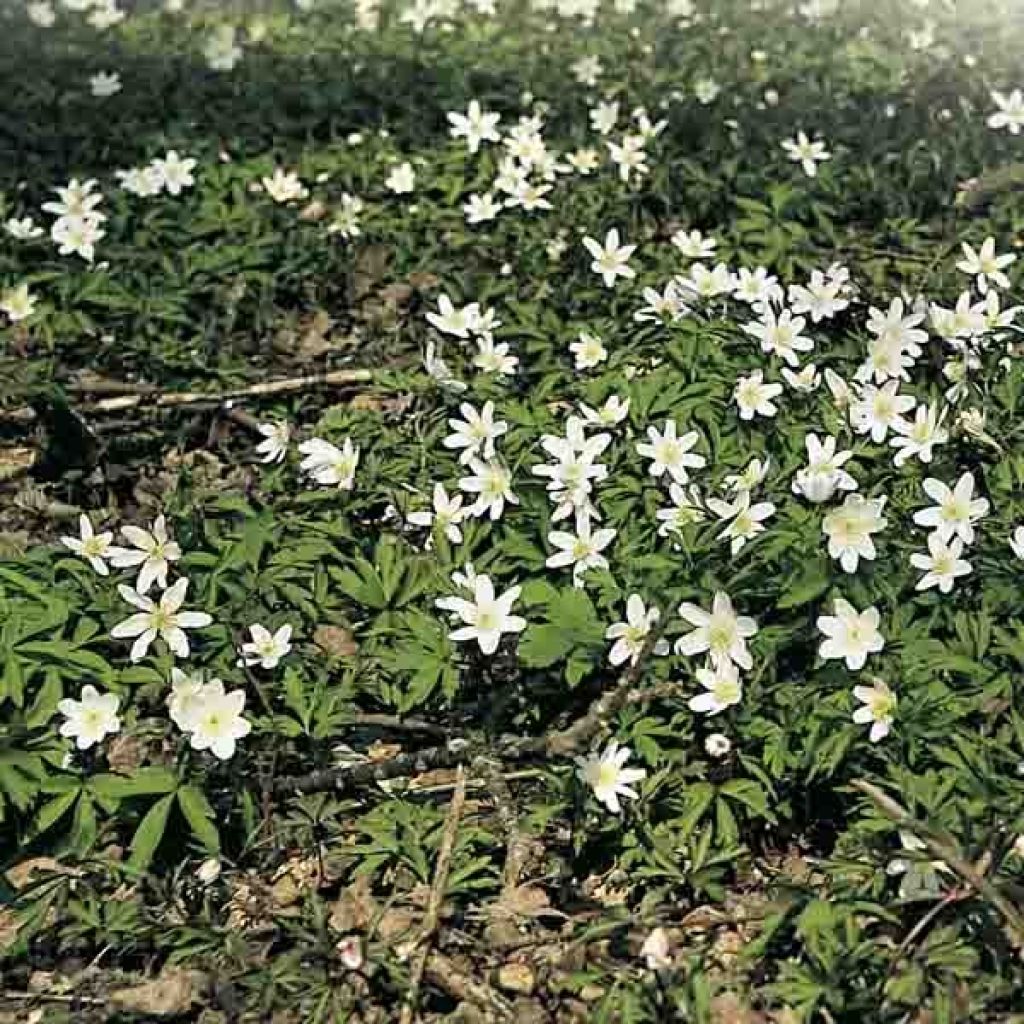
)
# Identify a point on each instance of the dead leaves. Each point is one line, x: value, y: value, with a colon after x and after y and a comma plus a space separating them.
x: 175, y: 990
x: 336, y: 641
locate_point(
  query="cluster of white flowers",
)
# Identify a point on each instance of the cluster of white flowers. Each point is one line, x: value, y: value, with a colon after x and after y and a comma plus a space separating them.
x: 100, y: 14
x: 170, y: 173
x: 78, y: 224
x: 210, y: 717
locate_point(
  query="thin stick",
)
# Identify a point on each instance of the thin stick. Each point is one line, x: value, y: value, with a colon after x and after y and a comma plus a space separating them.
x: 947, y: 851
x: 437, y: 891
x: 516, y: 847
x: 396, y: 724
x: 560, y: 743
x: 50, y: 997
x: 154, y: 399
x: 443, y: 973
x: 580, y: 733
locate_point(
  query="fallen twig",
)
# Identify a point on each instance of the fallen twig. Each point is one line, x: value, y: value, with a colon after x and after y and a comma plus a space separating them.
x: 582, y: 731
x: 442, y: 972
x: 946, y: 850
x: 395, y: 723
x: 155, y: 399
x: 437, y: 890
x: 50, y: 997
x: 560, y: 743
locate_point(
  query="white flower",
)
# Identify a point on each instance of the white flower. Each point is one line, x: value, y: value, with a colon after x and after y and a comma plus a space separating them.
x: 151, y: 550
x: 893, y: 329
x: 164, y: 619
x: 276, y: 437
x: 104, y: 13
x: 824, y: 474
x: 18, y: 303
x: 754, y: 397
x: 93, y: 547
x: 284, y: 186
x: 707, y: 284
x: 743, y: 520
x: 475, y: 126
x: 476, y: 433
x: 586, y: 70
x: 706, y: 90
x: 401, y: 179
x: 631, y: 636
x: 985, y: 266
x: 671, y: 454
x: 1010, y: 114
x: 588, y: 350
x: 879, y: 708
x: 781, y: 335
x: 457, y: 322
x: 23, y: 229
x: 662, y: 306
x: 104, y: 84
x: 603, y: 117
x: 629, y: 156
x: 329, y: 465
x: 693, y: 245
x: 850, y: 635
x: 350, y: 952
x: 582, y: 550
x: 611, y: 260
x: 717, y: 745
x: 849, y: 529
x: 657, y: 951
x: 879, y: 409
x: 722, y: 688
x: 613, y: 412
x: 91, y: 718
x: 920, y: 437
x: 186, y: 696
x: 481, y: 208
x: 807, y: 380
x: 955, y: 510
x: 218, y: 723
x: 752, y: 475
x: 486, y: 616
x: 720, y: 632
x: 685, y: 509
x: 446, y: 515
x: 41, y: 13
x: 821, y: 298
x: 346, y: 219
x: 1017, y: 542
x: 77, y: 234
x: 175, y: 171
x: 605, y: 775
x: 266, y: 649
x: 75, y: 199
x: 221, y: 51
x: 584, y: 160
x: 756, y: 287
x: 942, y: 566
x: 530, y: 196
x: 438, y: 369
x: 209, y: 871
x: 492, y: 483
x: 806, y: 152
x: 141, y: 181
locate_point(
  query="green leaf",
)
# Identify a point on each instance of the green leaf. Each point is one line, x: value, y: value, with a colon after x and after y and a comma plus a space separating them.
x: 52, y: 812
x: 200, y: 816
x: 145, y: 782
x: 149, y: 833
